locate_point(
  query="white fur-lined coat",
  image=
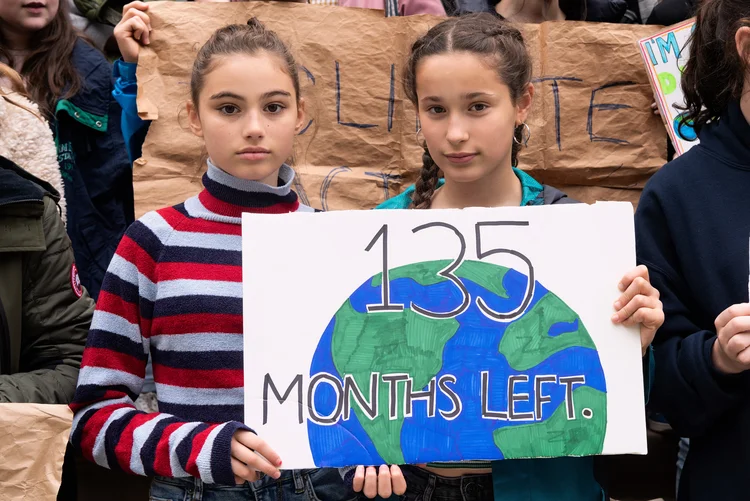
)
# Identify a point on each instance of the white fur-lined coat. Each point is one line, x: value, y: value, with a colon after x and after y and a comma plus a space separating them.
x: 27, y: 140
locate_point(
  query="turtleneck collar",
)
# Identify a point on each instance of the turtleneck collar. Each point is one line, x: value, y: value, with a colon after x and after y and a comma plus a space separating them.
x: 226, y: 197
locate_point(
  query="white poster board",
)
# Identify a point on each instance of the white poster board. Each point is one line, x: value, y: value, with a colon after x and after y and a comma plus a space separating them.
x: 459, y: 355
x: 666, y: 55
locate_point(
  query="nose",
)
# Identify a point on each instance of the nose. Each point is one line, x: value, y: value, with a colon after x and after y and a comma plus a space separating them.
x: 457, y: 132
x: 253, y: 125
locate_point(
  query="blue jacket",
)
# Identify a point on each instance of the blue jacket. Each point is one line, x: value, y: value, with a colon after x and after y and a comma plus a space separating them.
x: 94, y: 166
x: 692, y: 228
x: 557, y: 479
x: 125, y: 93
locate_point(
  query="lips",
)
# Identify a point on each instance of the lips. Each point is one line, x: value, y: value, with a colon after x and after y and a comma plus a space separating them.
x: 461, y: 157
x: 253, y: 153
x: 34, y: 5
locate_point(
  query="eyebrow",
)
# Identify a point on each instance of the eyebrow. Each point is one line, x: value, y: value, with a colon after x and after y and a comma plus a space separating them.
x: 467, y: 97
x: 232, y: 95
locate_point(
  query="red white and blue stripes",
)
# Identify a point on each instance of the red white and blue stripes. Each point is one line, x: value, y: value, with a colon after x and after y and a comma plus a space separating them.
x: 174, y: 290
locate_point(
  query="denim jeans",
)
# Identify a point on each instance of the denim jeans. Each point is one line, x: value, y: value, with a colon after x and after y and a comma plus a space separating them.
x: 294, y: 485
x: 421, y: 485
x: 682, y: 453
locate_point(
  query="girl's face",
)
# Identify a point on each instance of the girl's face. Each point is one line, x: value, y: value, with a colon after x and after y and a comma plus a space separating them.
x: 247, y: 114
x: 467, y: 115
x: 27, y: 16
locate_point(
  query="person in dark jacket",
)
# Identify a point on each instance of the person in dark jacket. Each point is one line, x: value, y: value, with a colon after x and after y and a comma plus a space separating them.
x: 45, y: 313
x: 72, y: 82
x: 692, y: 231
x: 669, y: 12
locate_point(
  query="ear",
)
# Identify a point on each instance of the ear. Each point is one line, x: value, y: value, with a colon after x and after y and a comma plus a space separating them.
x: 523, y: 106
x: 742, y: 39
x: 194, y: 120
x: 301, y: 115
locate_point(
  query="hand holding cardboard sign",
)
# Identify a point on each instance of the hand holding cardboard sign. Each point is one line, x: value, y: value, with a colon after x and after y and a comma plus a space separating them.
x: 133, y: 31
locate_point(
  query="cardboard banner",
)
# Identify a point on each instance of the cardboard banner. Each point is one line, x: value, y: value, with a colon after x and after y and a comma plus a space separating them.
x: 33, y: 438
x: 591, y: 123
x: 665, y: 55
x: 443, y: 335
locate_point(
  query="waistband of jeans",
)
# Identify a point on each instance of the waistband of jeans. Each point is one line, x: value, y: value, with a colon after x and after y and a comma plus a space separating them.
x: 287, y: 476
x: 427, y: 477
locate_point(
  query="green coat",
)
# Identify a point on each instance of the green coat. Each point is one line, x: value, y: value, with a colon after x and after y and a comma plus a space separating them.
x: 44, y: 312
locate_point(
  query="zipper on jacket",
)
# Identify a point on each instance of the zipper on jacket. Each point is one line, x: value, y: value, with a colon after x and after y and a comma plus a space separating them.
x: 4, y: 341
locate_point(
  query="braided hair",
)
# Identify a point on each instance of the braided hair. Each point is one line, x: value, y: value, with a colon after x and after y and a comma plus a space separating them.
x: 487, y: 36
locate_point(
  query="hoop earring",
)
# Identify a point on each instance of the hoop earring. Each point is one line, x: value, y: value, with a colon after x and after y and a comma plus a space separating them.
x: 417, y: 137
x: 525, y: 135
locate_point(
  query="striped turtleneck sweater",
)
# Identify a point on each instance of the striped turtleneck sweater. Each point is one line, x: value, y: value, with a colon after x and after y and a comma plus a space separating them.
x: 174, y: 290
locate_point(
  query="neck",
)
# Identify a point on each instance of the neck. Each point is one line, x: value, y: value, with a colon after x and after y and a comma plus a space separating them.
x: 16, y: 40
x: 745, y: 101
x: 530, y: 11
x: 271, y: 180
x: 502, y: 188
x: 18, y: 47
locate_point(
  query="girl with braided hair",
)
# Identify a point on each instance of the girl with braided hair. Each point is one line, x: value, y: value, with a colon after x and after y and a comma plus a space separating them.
x: 470, y: 80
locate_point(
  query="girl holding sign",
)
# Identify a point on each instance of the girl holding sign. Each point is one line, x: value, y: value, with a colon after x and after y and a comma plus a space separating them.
x: 692, y: 229
x: 470, y: 80
x: 174, y: 291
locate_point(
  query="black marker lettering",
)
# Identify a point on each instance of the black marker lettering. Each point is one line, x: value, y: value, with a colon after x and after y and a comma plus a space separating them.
x: 332, y: 380
x: 352, y: 390
x: 517, y: 397
x: 486, y: 412
x: 604, y: 106
x: 429, y: 395
x: 541, y: 399
x: 448, y: 392
x: 569, y: 381
x: 392, y: 380
x: 268, y: 383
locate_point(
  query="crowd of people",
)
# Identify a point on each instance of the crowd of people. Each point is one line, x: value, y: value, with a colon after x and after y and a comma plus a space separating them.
x: 124, y: 318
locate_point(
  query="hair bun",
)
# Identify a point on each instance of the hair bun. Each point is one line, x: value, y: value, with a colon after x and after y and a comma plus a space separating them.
x: 255, y: 25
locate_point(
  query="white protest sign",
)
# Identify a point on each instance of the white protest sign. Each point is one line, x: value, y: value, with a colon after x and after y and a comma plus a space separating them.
x: 666, y: 55
x: 489, y: 338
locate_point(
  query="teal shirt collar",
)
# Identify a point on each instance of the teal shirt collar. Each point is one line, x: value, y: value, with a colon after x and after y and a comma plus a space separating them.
x: 530, y: 194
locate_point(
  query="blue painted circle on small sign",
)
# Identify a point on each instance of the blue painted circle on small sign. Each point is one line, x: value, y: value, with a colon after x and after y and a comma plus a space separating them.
x: 684, y: 130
